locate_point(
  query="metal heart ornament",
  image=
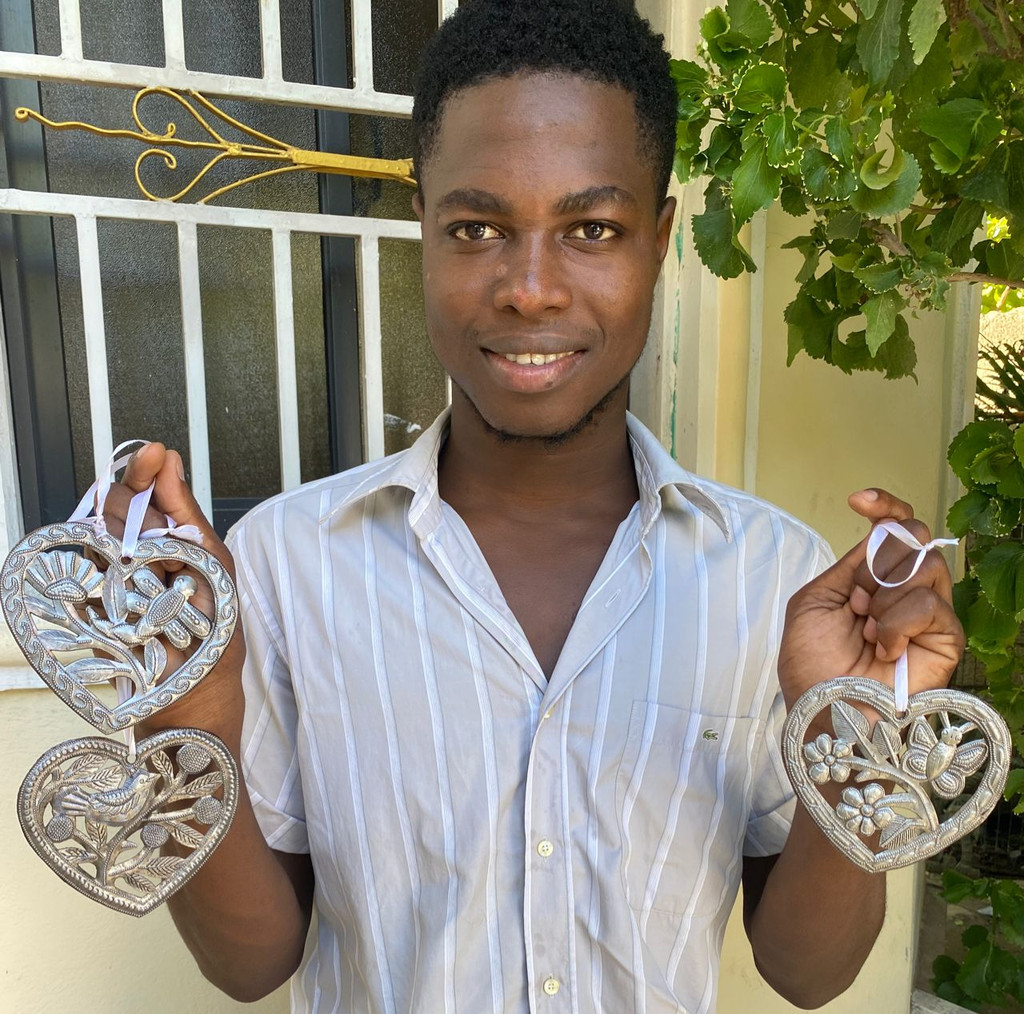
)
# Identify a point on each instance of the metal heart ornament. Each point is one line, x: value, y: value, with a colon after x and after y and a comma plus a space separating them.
x: 892, y: 769
x: 99, y: 820
x: 57, y: 602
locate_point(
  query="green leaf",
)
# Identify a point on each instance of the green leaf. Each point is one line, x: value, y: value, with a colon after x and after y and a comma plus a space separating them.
x: 714, y: 236
x: 944, y: 968
x: 791, y: 199
x: 988, y: 631
x: 873, y: 176
x: 880, y: 277
x: 965, y: 511
x: 843, y: 225
x: 812, y: 255
x: 953, y: 228
x: 963, y: 125
x: 881, y: 312
x: 840, y: 140
x: 971, y: 441
x: 925, y: 20
x: 895, y: 197
x: 896, y: 358
x: 755, y: 183
x: 815, y: 81
x: 762, y: 87
x: 689, y: 77
x: 777, y: 129
x: 1015, y: 787
x: 868, y: 7
x: 1001, y: 575
x: 750, y: 20
x: 824, y: 178
x: 956, y: 887
x: 975, y: 935
x: 878, y: 40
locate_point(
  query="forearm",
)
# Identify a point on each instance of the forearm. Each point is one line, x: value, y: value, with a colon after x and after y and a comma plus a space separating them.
x: 817, y: 918
x: 241, y: 915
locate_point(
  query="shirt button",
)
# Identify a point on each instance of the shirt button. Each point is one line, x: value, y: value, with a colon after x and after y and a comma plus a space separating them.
x: 545, y: 848
x: 551, y: 985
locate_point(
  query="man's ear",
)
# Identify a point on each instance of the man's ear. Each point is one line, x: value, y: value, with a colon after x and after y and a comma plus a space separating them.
x: 417, y: 205
x: 663, y: 229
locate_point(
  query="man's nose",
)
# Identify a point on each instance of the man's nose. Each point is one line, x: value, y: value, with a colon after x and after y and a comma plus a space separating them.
x: 532, y: 278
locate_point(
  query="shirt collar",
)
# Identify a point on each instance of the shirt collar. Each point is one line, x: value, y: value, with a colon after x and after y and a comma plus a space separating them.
x: 416, y: 470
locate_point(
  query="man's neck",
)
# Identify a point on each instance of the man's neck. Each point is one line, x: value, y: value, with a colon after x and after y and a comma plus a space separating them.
x: 522, y: 478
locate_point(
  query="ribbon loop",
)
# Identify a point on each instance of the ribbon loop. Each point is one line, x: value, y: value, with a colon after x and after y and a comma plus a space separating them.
x: 878, y: 535
x: 97, y: 495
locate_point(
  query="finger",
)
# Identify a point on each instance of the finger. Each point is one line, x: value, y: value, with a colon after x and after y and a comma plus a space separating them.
x: 879, y: 504
x: 921, y: 616
x: 143, y: 466
x: 894, y: 559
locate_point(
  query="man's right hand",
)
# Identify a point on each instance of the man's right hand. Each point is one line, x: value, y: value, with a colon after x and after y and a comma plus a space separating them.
x: 245, y: 913
x: 215, y: 704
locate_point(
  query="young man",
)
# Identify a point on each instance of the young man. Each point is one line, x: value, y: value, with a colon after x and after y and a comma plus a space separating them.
x: 513, y: 697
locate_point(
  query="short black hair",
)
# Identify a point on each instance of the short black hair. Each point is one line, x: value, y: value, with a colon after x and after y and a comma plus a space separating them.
x: 604, y: 40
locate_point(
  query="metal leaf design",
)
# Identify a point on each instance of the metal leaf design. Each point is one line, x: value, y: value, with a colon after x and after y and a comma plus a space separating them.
x: 155, y: 658
x: 204, y: 785
x: 76, y: 855
x: 163, y: 866
x: 184, y: 834
x: 163, y: 764
x: 887, y: 739
x: 60, y: 640
x: 40, y: 605
x: 97, y: 832
x: 98, y: 670
x: 139, y: 882
x: 115, y: 596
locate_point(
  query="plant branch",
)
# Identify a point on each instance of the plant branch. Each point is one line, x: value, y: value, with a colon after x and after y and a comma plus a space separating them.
x: 884, y: 236
x: 977, y: 276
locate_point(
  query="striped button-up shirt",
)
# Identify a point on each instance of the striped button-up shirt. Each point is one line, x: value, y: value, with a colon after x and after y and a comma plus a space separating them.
x: 486, y: 839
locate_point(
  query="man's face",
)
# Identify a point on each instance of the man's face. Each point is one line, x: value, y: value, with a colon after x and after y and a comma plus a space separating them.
x: 542, y: 241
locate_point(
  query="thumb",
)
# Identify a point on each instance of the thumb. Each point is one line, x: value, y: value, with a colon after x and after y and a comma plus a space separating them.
x: 173, y: 497
x: 155, y: 464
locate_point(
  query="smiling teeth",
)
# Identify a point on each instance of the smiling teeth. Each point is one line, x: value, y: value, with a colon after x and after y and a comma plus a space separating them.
x: 535, y: 358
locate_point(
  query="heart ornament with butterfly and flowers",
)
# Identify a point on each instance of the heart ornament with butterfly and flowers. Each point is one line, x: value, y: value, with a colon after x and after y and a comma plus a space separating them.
x: 920, y: 747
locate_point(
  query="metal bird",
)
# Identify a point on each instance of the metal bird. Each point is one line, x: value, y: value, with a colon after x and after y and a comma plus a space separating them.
x: 113, y: 806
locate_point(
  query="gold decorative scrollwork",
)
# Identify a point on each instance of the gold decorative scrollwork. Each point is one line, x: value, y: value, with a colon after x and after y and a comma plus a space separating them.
x: 266, y: 148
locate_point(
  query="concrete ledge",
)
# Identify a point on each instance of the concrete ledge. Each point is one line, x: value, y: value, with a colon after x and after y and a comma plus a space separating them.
x: 925, y: 1003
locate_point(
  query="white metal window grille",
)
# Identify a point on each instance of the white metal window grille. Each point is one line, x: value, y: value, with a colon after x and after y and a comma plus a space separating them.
x: 72, y: 66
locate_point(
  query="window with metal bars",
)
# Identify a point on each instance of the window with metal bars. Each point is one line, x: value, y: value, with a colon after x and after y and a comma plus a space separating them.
x: 192, y: 312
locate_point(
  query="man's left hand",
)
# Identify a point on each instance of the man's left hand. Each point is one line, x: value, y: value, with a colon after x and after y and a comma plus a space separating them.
x: 843, y: 623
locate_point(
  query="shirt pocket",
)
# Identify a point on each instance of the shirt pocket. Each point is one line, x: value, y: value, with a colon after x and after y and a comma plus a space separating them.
x: 682, y: 793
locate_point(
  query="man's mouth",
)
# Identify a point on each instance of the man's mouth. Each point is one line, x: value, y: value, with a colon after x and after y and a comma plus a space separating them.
x: 535, y: 358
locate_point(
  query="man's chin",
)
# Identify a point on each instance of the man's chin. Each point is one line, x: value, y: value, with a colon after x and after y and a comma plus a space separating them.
x: 555, y: 434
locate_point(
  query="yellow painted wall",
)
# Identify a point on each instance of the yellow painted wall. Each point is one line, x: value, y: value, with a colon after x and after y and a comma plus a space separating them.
x: 61, y: 953
x: 819, y: 435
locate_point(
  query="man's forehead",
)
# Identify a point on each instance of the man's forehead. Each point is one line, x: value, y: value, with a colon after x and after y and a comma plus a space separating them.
x: 539, y: 124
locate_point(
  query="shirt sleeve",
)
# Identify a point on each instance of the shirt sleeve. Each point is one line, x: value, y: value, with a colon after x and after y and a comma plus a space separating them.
x: 270, y: 761
x: 774, y: 801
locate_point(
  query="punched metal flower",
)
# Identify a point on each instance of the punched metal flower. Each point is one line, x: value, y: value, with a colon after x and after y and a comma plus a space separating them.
x: 828, y: 759
x: 865, y: 812
x: 64, y: 576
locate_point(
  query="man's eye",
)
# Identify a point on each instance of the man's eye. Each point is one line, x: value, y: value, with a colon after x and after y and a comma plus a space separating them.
x: 475, y: 232
x: 593, y: 231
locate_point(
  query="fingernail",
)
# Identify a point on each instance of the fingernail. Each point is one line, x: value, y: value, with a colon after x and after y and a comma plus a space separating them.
x: 181, y: 469
x: 869, y: 494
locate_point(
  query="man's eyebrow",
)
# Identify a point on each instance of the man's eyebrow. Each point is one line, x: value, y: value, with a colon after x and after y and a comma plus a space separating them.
x: 584, y: 200
x: 483, y: 202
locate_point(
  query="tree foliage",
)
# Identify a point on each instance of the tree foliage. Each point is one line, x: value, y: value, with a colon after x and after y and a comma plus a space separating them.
x: 895, y: 126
